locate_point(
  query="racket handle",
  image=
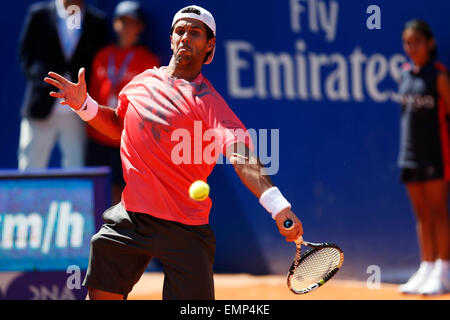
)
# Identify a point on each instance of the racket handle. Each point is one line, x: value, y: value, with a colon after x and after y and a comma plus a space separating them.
x: 299, y: 241
x: 288, y: 224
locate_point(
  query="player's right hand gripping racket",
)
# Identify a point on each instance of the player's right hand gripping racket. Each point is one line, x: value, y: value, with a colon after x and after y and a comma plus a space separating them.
x: 315, y: 267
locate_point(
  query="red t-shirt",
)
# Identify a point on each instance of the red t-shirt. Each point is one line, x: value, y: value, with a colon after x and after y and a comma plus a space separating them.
x: 174, y: 132
x: 112, y: 69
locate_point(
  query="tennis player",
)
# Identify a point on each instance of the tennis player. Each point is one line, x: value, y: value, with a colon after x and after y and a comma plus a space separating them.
x: 156, y: 217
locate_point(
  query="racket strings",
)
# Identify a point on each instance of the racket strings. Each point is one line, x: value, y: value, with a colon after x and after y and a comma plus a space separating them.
x: 315, y: 267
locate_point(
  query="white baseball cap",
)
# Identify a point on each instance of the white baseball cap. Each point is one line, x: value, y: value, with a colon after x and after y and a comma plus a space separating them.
x: 205, y: 16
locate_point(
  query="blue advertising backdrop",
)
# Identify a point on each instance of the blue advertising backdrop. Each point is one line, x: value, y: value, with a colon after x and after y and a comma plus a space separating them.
x: 322, y: 85
x: 41, y: 228
x: 47, y: 219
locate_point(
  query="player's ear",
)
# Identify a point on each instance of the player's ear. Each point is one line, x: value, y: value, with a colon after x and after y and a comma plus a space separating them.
x: 211, y: 44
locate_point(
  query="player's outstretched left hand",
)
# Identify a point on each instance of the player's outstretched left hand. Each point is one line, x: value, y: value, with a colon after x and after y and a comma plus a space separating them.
x: 295, y: 232
x: 73, y: 94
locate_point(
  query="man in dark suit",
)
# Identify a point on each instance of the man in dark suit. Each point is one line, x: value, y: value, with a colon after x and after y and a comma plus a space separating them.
x: 60, y: 35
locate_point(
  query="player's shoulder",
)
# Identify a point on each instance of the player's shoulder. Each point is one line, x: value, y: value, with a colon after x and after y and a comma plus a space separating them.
x: 210, y: 95
x: 147, y: 75
x: 206, y: 84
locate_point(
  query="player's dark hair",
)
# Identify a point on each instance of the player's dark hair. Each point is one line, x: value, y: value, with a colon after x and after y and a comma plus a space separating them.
x: 191, y: 10
x: 424, y: 29
x: 209, y: 32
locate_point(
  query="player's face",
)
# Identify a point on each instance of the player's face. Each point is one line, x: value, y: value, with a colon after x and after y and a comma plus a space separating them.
x: 416, y: 46
x: 189, y: 41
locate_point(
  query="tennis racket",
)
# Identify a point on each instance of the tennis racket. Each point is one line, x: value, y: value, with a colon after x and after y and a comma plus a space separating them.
x: 314, y: 267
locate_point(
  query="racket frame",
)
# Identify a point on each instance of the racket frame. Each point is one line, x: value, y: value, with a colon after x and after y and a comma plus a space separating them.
x: 299, y: 258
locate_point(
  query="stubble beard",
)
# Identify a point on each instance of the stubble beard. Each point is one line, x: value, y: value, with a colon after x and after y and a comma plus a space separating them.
x: 183, y: 60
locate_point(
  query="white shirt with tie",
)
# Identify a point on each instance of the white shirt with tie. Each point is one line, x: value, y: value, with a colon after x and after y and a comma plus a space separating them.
x: 63, y: 126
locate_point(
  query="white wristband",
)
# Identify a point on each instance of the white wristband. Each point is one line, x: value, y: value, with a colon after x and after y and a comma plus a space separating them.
x: 273, y: 201
x: 89, y: 109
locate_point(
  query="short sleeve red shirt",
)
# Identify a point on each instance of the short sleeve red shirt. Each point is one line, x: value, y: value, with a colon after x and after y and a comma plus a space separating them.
x: 174, y: 133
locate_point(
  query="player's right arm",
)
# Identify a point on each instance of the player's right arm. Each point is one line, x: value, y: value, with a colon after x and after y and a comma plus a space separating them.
x: 106, y: 119
x: 252, y: 174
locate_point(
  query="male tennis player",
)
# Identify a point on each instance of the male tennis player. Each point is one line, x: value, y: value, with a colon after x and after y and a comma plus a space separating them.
x: 156, y: 217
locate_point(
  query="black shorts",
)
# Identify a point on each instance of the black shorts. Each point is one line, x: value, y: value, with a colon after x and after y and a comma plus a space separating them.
x: 98, y: 154
x: 125, y: 244
x: 421, y: 174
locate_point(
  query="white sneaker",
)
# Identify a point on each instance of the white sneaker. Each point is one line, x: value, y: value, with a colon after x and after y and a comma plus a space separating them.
x: 433, y: 286
x: 438, y: 281
x: 416, y: 281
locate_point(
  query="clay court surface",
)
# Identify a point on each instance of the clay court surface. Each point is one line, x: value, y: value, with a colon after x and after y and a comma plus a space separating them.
x: 273, y: 287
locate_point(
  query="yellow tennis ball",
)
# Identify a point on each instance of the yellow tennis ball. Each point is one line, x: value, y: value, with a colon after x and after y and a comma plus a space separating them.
x: 199, y: 190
